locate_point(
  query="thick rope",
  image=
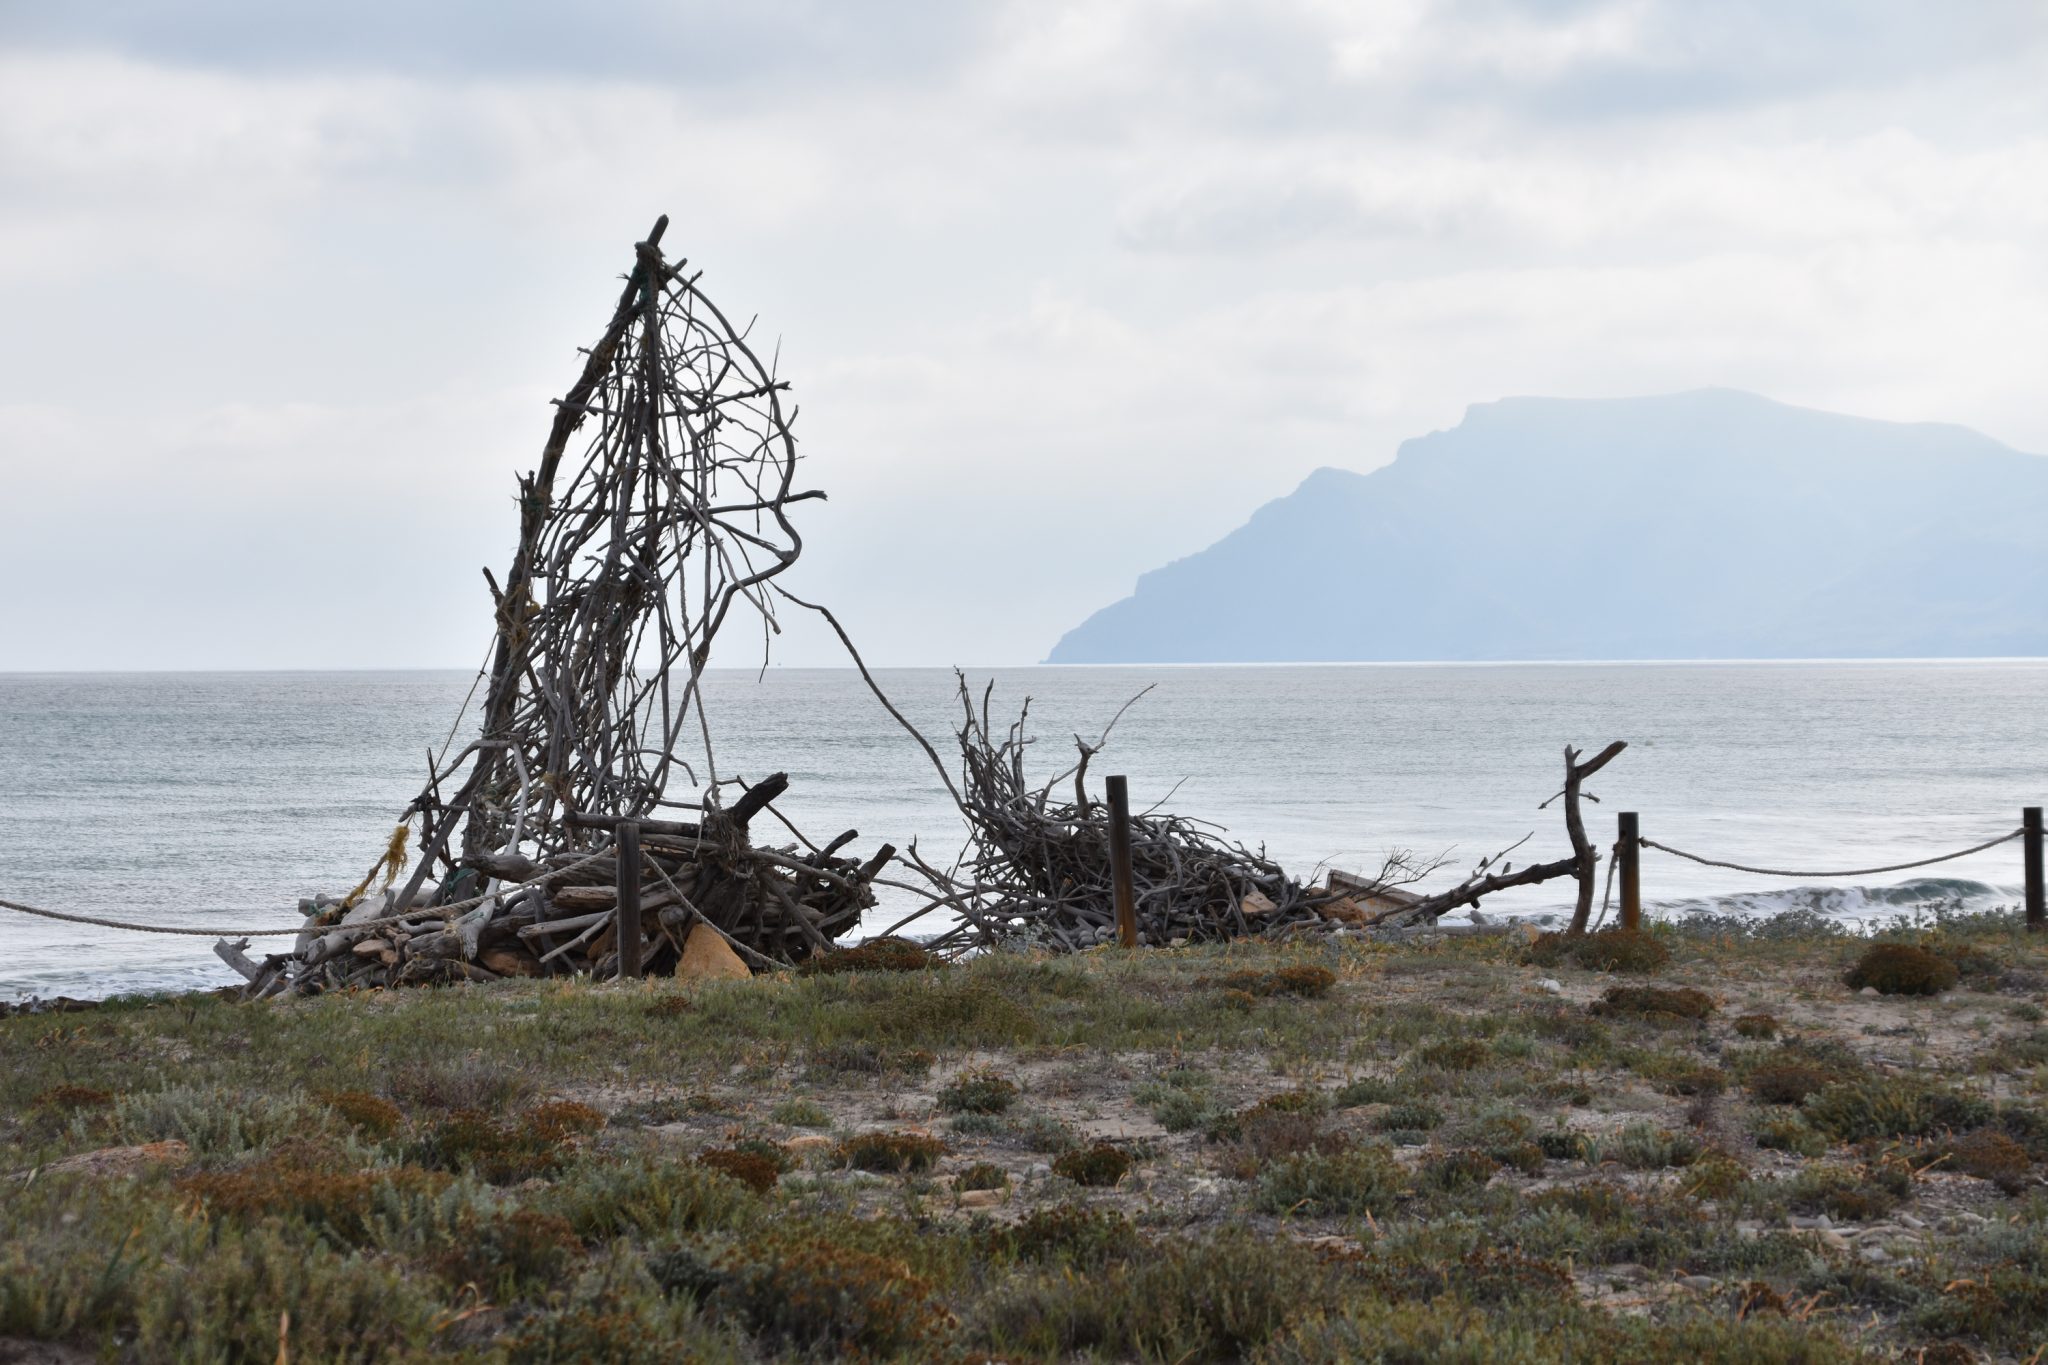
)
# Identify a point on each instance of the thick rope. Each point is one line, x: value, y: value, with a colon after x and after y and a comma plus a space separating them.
x: 441, y: 911
x: 1852, y: 872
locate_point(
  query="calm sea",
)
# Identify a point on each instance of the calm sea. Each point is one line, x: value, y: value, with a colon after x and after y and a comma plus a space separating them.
x: 220, y: 799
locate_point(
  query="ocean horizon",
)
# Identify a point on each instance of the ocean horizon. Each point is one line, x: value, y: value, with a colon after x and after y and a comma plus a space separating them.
x: 219, y: 798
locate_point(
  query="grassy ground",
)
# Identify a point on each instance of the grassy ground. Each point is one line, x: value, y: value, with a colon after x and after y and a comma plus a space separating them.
x: 1431, y: 1151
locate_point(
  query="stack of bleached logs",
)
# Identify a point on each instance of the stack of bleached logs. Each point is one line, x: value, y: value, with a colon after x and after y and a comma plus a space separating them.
x: 771, y: 907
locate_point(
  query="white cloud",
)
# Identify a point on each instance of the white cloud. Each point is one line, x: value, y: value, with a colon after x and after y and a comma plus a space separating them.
x: 1065, y: 288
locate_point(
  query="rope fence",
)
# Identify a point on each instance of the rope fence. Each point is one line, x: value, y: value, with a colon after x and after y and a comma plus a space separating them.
x: 1628, y: 858
x: 441, y: 912
x: 1851, y: 872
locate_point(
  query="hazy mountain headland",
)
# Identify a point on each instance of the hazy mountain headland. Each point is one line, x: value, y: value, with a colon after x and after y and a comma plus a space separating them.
x: 1713, y: 524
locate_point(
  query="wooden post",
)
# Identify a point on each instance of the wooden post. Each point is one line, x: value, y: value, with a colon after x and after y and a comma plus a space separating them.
x: 1120, y: 862
x: 2037, y: 892
x: 626, y: 928
x: 1629, y: 849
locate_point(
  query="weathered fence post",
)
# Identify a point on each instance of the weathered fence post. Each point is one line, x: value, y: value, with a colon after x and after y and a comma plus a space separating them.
x: 1629, y: 849
x: 1120, y: 861
x: 626, y: 924
x: 2037, y: 893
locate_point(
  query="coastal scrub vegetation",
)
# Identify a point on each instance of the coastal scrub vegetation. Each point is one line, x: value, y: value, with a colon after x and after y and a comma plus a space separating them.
x: 1430, y: 1150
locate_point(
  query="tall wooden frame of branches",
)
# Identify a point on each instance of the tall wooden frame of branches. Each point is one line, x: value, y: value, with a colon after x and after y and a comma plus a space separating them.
x: 658, y: 505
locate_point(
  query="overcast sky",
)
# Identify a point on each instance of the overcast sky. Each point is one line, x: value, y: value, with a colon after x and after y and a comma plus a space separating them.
x: 1064, y: 289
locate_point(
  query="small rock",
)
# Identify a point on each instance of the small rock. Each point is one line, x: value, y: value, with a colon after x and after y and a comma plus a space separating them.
x: 1868, y: 990
x: 1823, y: 1221
x: 1176, y: 943
x: 1748, y: 1231
x: 1908, y: 1220
x: 1550, y: 986
x: 1876, y: 1255
x: 1804, y: 1224
x: 1037, y: 1170
x: 1630, y: 1271
x: 1833, y: 1240
x: 979, y: 1199
x: 708, y: 957
x: 1699, y: 1283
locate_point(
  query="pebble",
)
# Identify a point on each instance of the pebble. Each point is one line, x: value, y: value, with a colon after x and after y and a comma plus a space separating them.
x: 1868, y: 990
x: 1701, y: 1283
x: 1876, y: 1255
x: 1910, y: 1221
x: 1550, y: 985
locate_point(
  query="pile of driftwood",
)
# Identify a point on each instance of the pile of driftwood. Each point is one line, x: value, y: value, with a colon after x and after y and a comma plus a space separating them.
x: 1038, y: 868
x: 660, y: 503
x: 710, y: 904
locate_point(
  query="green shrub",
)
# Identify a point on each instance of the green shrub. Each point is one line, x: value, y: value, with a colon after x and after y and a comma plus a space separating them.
x: 1789, y: 1133
x: 1366, y: 1090
x: 816, y: 1296
x: 1302, y: 981
x: 1213, y: 1300
x: 1610, y: 950
x: 1901, y: 969
x: 1181, y: 1111
x: 1099, y: 1166
x: 1855, y: 1193
x: 1789, y: 1082
x: 1070, y: 1233
x: 1452, y: 1172
x: 983, y: 1175
x: 645, y: 1195
x: 1642, y: 1146
x: 508, y: 1151
x: 757, y: 1171
x: 1451, y: 1054
x: 1654, y: 1002
x: 978, y: 1092
x: 1986, y: 1154
x: 371, y: 1115
x: 1891, y: 1107
x: 305, y: 1184
x: 506, y: 1253
x: 801, y: 1113
x: 1328, y: 1184
x: 890, y: 1153
x: 886, y: 954
x: 70, y: 1099
x: 1414, y: 1116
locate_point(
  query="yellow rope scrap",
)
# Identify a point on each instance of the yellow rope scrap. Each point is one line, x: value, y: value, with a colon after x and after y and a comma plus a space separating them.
x: 391, y: 864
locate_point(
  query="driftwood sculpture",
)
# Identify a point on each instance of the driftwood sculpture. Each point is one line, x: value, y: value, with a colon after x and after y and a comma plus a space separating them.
x: 660, y: 503
x: 591, y: 802
x: 1037, y: 868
